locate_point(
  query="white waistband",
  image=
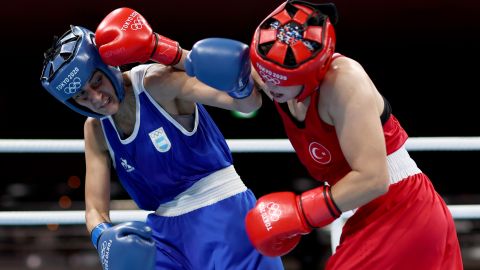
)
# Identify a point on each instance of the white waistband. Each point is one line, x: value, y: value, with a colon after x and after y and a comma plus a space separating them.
x: 401, y: 165
x: 213, y: 188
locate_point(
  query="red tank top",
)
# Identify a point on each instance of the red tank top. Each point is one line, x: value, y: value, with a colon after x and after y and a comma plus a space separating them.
x: 317, y: 145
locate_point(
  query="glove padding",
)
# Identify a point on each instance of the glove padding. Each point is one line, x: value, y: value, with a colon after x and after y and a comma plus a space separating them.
x: 126, y: 246
x: 124, y: 37
x: 276, y: 223
x: 223, y: 64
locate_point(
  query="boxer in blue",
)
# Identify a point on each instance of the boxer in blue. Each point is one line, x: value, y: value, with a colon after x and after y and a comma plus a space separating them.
x: 167, y: 152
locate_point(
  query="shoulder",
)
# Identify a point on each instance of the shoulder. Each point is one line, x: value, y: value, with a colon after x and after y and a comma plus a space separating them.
x: 93, y: 134
x: 92, y: 124
x: 164, y: 83
x: 344, y: 72
x: 345, y: 79
x: 158, y: 75
x: 345, y: 64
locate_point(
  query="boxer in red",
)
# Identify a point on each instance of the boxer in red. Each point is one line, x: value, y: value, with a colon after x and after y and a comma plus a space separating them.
x: 345, y: 134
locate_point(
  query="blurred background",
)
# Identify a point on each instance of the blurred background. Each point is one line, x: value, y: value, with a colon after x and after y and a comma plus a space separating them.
x: 422, y: 55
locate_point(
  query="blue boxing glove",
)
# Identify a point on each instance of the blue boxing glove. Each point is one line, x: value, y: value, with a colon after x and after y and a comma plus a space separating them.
x: 126, y: 246
x: 223, y: 64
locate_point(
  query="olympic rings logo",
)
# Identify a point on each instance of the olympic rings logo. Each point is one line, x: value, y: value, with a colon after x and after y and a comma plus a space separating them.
x: 105, y: 253
x: 274, y: 211
x: 73, y: 86
x: 136, y: 25
x: 269, y: 78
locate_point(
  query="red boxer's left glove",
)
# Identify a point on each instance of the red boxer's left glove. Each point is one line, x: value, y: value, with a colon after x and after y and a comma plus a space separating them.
x: 279, y: 219
x: 125, y: 37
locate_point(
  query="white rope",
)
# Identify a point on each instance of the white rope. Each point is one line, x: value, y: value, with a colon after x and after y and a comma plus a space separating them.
x: 15, y: 218
x: 238, y: 145
x: 41, y: 146
x: 443, y: 144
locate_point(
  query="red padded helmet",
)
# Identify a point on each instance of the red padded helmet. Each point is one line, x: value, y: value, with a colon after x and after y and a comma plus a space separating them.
x: 294, y: 45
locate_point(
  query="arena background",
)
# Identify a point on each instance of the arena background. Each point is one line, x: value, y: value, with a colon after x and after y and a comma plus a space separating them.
x: 422, y: 55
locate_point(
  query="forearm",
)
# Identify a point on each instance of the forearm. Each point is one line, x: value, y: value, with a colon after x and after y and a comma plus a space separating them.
x: 97, y: 195
x: 181, y: 64
x: 357, y: 189
x: 93, y: 217
x: 250, y: 103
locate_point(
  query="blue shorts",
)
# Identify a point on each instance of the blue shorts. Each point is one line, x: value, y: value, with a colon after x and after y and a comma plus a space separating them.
x: 211, y: 237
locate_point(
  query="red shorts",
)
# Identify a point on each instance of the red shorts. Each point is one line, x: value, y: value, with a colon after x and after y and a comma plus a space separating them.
x: 408, y: 228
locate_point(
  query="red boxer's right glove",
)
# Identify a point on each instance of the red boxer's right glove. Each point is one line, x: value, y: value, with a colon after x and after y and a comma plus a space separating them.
x: 125, y: 37
x: 279, y: 219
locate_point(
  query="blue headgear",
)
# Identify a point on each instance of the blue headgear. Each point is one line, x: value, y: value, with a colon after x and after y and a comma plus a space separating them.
x: 69, y: 65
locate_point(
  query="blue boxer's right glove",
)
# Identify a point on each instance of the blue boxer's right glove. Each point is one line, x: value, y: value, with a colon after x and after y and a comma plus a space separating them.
x: 223, y: 64
x: 126, y: 246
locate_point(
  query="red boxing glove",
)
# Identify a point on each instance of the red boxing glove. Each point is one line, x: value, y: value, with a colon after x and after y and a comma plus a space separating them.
x: 125, y: 37
x: 279, y: 219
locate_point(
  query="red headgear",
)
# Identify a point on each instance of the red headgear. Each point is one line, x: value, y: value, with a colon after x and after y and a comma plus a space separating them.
x: 294, y: 46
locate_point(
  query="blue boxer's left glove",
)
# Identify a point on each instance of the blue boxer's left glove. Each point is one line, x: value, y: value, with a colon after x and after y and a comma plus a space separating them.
x: 126, y: 246
x: 223, y: 64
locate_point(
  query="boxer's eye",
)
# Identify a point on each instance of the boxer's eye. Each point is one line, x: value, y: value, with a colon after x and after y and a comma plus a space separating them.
x: 80, y: 95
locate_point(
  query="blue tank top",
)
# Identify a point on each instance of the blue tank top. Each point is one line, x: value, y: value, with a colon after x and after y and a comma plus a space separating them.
x: 161, y: 159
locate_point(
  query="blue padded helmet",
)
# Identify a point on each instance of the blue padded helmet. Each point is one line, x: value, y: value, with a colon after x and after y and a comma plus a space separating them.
x: 70, y: 64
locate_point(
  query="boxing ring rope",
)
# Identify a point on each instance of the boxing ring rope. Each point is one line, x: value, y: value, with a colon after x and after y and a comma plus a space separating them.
x: 76, y: 217
x: 238, y: 145
x: 30, y: 218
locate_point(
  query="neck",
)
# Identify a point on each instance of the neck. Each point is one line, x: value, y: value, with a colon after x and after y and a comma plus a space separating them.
x: 125, y: 115
x: 298, y: 109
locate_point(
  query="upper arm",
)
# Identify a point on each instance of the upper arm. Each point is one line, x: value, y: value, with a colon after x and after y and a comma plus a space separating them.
x: 355, y: 113
x: 354, y: 109
x: 167, y: 84
x: 97, y: 179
